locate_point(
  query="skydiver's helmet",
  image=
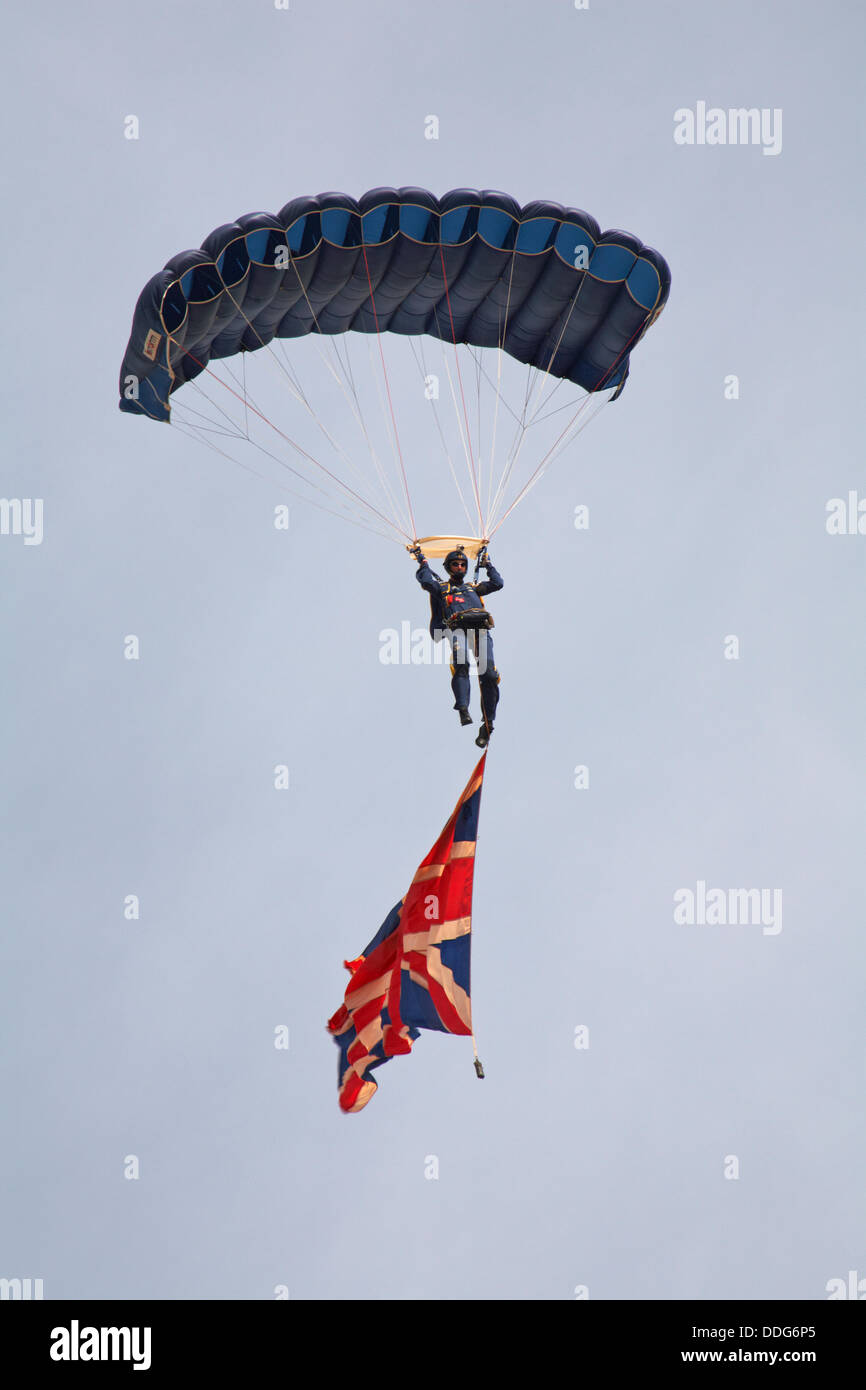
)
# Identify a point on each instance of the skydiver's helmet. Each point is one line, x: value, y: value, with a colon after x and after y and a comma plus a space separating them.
x: 455, y: 558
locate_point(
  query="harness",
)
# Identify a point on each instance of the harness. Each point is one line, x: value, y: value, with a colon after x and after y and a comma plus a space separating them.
x: 450, y: 616
x: 458, y: 619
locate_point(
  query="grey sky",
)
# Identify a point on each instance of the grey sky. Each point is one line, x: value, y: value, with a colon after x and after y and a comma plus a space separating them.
x: 602, y: 1167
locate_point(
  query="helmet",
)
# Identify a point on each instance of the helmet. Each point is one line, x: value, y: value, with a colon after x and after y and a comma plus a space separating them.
x: 459, y: 554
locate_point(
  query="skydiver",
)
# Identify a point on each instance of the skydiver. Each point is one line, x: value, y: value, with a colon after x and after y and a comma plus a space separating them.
x: 458, y: 613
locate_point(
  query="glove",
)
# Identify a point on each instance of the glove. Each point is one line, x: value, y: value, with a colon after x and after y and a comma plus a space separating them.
x: 417, y: 552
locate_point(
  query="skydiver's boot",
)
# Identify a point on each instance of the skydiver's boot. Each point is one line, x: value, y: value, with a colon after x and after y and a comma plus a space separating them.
x: 484, y: 735
x: 465, y: 716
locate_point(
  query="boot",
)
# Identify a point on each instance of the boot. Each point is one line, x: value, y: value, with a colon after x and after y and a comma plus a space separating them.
x: 465, y: 716
x: 484, y: 735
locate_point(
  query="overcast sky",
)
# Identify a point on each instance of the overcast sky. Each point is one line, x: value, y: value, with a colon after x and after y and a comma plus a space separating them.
x: 699, y: 649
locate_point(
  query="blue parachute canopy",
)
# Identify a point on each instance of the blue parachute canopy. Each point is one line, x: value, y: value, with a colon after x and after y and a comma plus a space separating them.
x: 542, y: 282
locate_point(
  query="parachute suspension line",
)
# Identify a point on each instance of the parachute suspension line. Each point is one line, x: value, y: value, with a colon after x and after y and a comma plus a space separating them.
x: 548, y: 415
x: 388, y: 385
x: 478, y: 422
x: 194, y: 433
x: 600, y: 387
x: 301, y: 396
x: 493, y: 431
x: 282, y: 367
x: 291, y: 442
x: 295, y: 385
x: 207, y: 425
x: 499, y: 354
x: 235, y: 432
x: 198, y: 430
x: 462, y: 395
x: 527, y: 389
x: 553, y: 452
x: 422, y: 367
x: 592, y: 414
x: 520, y: 420
x: 519, y: 432
x: 460, y: 430
x: 542, y: 379
x: 376, y: 377
x: 293, y: 377
x: 343, y: 382
x: 506, y: 476
x: 359, y: 417
x: 490, y: 381
x: 517, y: 446
x: 346, y: 367
x: 556, y: 450
x: 536, y: 418
x: 542, y: 375
x: 242, y: 386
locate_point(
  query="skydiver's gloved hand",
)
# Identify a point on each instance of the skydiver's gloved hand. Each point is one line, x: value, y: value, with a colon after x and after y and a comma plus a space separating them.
x: 417, y: 552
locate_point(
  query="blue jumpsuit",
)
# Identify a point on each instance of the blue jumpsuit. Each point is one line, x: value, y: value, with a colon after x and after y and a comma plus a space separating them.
x: 446, y: 599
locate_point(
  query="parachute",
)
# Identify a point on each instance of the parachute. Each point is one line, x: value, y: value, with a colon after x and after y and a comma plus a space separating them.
x: 539, y: 285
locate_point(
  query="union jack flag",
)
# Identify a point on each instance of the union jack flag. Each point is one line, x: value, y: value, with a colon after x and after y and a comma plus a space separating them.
x: 415, y: 972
